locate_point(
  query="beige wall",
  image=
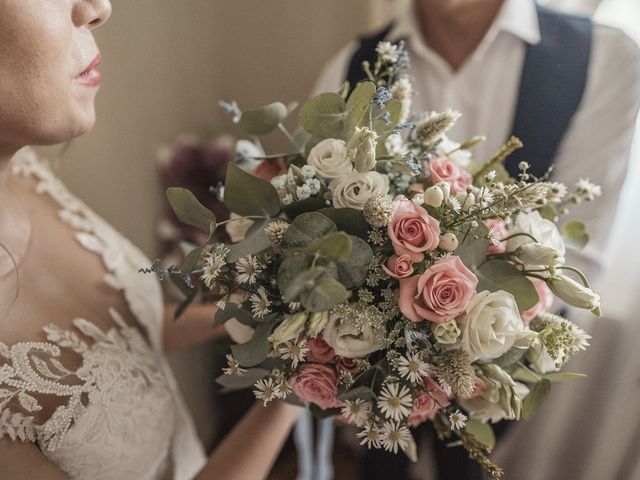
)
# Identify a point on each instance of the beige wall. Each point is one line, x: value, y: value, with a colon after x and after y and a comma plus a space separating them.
x: 166, y: 65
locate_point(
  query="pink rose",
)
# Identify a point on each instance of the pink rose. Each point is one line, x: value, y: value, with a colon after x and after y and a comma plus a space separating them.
x: 500, y: 232
x: 442, y: 169
x: 412, y: 231
x: 441, y: 293
x: 318, y: 384
x: 399, y: 266
x: 544, y: 303
x: 320, y: 351
x: 347, y: 365
x: 428, y: 402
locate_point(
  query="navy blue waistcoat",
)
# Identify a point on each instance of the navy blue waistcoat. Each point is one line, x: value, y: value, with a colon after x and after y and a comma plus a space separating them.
x: 553, y: 80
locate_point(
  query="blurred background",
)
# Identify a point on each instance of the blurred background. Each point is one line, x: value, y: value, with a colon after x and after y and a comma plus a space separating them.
x: 167, y: 64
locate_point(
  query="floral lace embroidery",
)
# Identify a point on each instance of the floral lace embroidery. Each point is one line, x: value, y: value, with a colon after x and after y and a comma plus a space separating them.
x: 118, y: 360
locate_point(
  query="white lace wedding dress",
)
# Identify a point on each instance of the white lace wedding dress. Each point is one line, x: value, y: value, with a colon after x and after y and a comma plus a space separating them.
x: 117, y: 412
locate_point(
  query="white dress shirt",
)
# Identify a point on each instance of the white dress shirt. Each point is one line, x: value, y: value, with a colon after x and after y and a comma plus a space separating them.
x: 485, y: 89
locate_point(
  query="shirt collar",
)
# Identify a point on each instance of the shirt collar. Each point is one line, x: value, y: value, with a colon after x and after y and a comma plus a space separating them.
x: 517, y: 17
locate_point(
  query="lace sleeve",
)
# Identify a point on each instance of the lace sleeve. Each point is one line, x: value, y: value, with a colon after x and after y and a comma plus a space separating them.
x: 39, y: 397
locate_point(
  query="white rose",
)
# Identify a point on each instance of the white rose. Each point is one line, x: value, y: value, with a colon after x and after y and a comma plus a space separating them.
x: 539, y: 254
x: 501, y: 398
x: 491, y: 325
x: 330, y: 159
x: 353, y: 191
x: 237, y: 229
x: 446, y: 333
x: 347, y: 341
x: 362, y: 149
x: 571, y: 292
x: 544, y: 231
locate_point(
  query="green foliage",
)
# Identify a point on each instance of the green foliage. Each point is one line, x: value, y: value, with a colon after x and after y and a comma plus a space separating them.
x: 303, y: 206
x: 364, y: 393
x: 535, y: 398
x: 307, y: 228
x: 510, y: 357
x: 265, y: 119
x: 348, y: 220
x: 575, y: 234
x: 335, y: 246
x: 189, y: 210
x: 524, y: 374
x: 497, y: 275
x: 358, y: 104
x: 192, y: 258
x: 482, y: 432
x: 254, y: 351
x: 239, y: 382
x: 255, y: 242
x: 185, y: 304
x: 564, y: 376
x: 324, y: 115
x: 353, y: 271
x: 326, y: 293
x: 233, y: 310
x: 247, y: 195
x: 472, y: 251
x: 394, y: 107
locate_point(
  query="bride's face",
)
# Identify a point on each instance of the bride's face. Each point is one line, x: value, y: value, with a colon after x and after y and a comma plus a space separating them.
x: 48, y: 74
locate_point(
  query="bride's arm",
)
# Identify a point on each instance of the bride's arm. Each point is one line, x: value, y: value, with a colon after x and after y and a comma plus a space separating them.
x: 250, y: 450
x: 25, y: 461
x: 194, y: 326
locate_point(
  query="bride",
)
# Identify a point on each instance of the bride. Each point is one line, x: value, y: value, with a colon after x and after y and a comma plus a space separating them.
x: 85, y: 388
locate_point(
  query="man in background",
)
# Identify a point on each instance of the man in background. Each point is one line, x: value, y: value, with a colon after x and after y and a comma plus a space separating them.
x: 568, y: 88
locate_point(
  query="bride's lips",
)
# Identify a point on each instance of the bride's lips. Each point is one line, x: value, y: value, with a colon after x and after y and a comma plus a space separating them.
x: 91, y: 76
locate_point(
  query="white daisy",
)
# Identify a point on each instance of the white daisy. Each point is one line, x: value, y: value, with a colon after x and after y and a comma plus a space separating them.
x: 395, y: 402
x: 265, y: 390
x: 260, y: 304
x: 213, y: 264
x: 370, y: 436
x: 413, y: 368
x: 247, y: 267
x: 589, y: 189
x: 395, y: 435
x: 490, y: 176
x: 357, y: 411
x: 458, y: 420
x: 283, y: 389
x: 388, y: 52
x: 297, y: 352
x: 494, y: 236
x: 233, y: 367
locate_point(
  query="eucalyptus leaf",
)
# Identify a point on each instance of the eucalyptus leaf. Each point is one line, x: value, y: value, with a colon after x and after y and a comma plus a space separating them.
x: 348, y: 220
x: 352, y: 273
x: 482, y: 432
x: 233, y: 310
x: 307, y: 228
x: 535, y: 398
x: 564, y: 376
x: 247, y: 195
x: 304, y: 281
x: 524, y: 374
x: 263, y: 120
x: 472, y: 251
x: 290, y: 267
x: 394, y: 107
x: 364, y: 393
x: 185, y: 304
x: 254, y: 351
x: 303, y: 206
x: 255, y: 242
x: 189, y: 210
x: 192, y: 258
x: 326, y: 294
x: 497, y: 275
x: 335, y: 246
x: 510, y: 357
x: 240, y: 382
x: 549, y: 212
x: 575, y: 234
x: 358, y: 104
x: 324, y: 115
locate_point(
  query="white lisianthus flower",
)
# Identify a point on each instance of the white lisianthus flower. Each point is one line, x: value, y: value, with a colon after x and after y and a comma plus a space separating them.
x: 317, y: 322
x: 290, y: 328
x: 571, y: 292
x: 238, y: 227
x: 330, y: 159
x: 539, y: 254
x: 362, y: 149
x: 501, y: 398
x: 446, y: 333
x: 544, y: 231
x: 353, y: 191
x: 491, y: 325
x: 347, y: 340
x: 451, y: 149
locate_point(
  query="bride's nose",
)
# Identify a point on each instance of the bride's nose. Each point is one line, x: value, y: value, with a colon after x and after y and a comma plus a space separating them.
x: 91, y: 13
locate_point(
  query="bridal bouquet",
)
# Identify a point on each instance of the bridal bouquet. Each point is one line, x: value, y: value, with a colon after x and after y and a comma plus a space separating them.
x: 384, y: 276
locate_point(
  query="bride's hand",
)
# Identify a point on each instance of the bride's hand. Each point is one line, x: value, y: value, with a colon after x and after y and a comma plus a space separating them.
x: 196, y: 325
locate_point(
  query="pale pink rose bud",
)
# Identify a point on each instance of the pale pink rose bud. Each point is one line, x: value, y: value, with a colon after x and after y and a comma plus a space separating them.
x: 399, y: 266
x: 434, y: 196
x: 412, y: 230
x: 443, y: 169
x: 320, y: 351
x: 448, y: 242
x: 317, y: 384
x: 428, y: 402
